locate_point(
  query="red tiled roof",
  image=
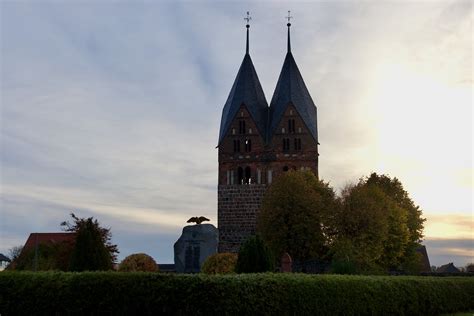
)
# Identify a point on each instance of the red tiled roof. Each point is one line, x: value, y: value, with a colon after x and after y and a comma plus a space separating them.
x: 43, y: 238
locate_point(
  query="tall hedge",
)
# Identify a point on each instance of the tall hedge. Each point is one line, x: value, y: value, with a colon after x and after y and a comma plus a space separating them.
x: 112, y: 293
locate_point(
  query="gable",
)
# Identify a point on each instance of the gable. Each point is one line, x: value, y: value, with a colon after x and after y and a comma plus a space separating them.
x: 242, y: 127
x: 291, y: 125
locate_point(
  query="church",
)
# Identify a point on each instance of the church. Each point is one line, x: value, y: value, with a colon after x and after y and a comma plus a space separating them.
x: 258, y: 142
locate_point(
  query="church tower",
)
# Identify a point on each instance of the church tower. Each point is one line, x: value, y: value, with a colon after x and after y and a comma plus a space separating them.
x: 258, y: 142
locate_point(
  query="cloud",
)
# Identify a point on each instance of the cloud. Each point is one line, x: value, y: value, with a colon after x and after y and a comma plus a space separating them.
x: 449, y: 226
x: 443, y: 251
x: 112, y: 109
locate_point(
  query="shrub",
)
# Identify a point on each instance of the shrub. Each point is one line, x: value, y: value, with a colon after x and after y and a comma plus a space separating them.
x: 110, y: 293
x: 343, y: 267
x: 220, y: 263
x: 253, y: 257
x: 138, y: 262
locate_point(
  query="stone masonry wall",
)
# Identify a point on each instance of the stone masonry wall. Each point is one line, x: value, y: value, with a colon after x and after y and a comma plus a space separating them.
x: 237, y: 211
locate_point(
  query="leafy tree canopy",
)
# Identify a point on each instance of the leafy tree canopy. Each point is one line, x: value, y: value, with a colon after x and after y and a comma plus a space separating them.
x: 296, y: 215
x: 378, y: 226
x: 93, y: 249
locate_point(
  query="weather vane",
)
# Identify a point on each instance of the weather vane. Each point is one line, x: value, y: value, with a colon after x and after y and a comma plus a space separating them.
x: 288, y: 17
x: 248, y: 18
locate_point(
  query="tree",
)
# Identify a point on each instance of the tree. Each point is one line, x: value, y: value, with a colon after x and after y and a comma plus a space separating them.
x: 470, y: 267
x: 220, y: 263
x: 138, y: 262
x: 393, y: 188
x: 14, y: 253
x: 93, y: 249
x: 254, y: 257
x: 362, y: 226
x: 296, y: 216
x: 373, y: 226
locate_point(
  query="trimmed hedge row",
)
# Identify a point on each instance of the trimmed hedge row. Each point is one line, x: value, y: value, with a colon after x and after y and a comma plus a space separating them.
x: 98, y: 293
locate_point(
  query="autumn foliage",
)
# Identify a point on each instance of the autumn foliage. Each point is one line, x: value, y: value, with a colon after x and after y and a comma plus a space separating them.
x: 138, y: 262
x: 373, y: 226
x: 220, y: 263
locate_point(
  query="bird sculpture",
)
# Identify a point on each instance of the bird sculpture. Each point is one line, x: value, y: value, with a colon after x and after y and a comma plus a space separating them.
x: 197, y: 220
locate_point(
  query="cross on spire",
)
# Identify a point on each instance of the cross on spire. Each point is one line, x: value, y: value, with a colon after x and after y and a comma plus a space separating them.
x: 248, y: 18
x: 289, y: 17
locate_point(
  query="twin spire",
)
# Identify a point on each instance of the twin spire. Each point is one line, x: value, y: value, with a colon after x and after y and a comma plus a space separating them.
x: 247, y: 91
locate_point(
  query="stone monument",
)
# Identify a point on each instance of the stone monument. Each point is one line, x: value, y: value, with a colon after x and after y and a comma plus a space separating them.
x: 197, y: 242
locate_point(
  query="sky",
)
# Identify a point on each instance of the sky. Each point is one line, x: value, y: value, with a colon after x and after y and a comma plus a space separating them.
x: 112, y: 109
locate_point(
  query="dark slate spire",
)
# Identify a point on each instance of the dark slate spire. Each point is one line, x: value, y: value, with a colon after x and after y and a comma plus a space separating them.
x: 292, y: 89
x: 248, y: 91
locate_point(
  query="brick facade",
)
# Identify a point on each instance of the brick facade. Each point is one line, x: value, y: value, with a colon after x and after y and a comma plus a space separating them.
x: 238, y: 202
x: 238, y: 207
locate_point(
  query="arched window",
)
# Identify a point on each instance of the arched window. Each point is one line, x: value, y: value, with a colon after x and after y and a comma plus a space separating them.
x: 248, y: 145
x: 247, y: 175
x: 240, y: 175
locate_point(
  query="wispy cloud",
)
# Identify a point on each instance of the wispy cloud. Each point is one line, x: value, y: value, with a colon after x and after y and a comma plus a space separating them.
x: 112, y: 109
x: 443, y: 251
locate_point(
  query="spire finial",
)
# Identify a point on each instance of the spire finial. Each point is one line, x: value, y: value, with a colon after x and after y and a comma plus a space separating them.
x: 248, y: 18
x: 289, y: 17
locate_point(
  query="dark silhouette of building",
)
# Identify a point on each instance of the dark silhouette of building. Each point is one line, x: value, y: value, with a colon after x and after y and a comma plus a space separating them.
x: 424, y: 260
x: 448, y: 268
x: 258, y: 142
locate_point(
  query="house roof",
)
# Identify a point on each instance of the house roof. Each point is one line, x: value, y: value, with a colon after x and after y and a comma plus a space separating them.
x: 43, y: 238
x: 291, y: 89
x: 448, y: 268
x: 247, y: 91
x: 4, y: 258
x: 166, y: 267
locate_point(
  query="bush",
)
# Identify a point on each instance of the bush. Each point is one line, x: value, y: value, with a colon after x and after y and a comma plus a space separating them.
x: 111, y: 293
x: 253, y: 257
x: 138, y: 262
x: 343, y: 267
x: 220, y: 263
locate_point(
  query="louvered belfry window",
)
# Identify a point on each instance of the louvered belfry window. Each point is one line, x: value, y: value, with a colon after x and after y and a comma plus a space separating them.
x: 241, y: 127
x: 291, y: 126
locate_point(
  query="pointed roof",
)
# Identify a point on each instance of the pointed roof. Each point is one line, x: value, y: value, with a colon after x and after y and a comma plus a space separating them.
x: 291, y: 89
x: 246, y: 90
